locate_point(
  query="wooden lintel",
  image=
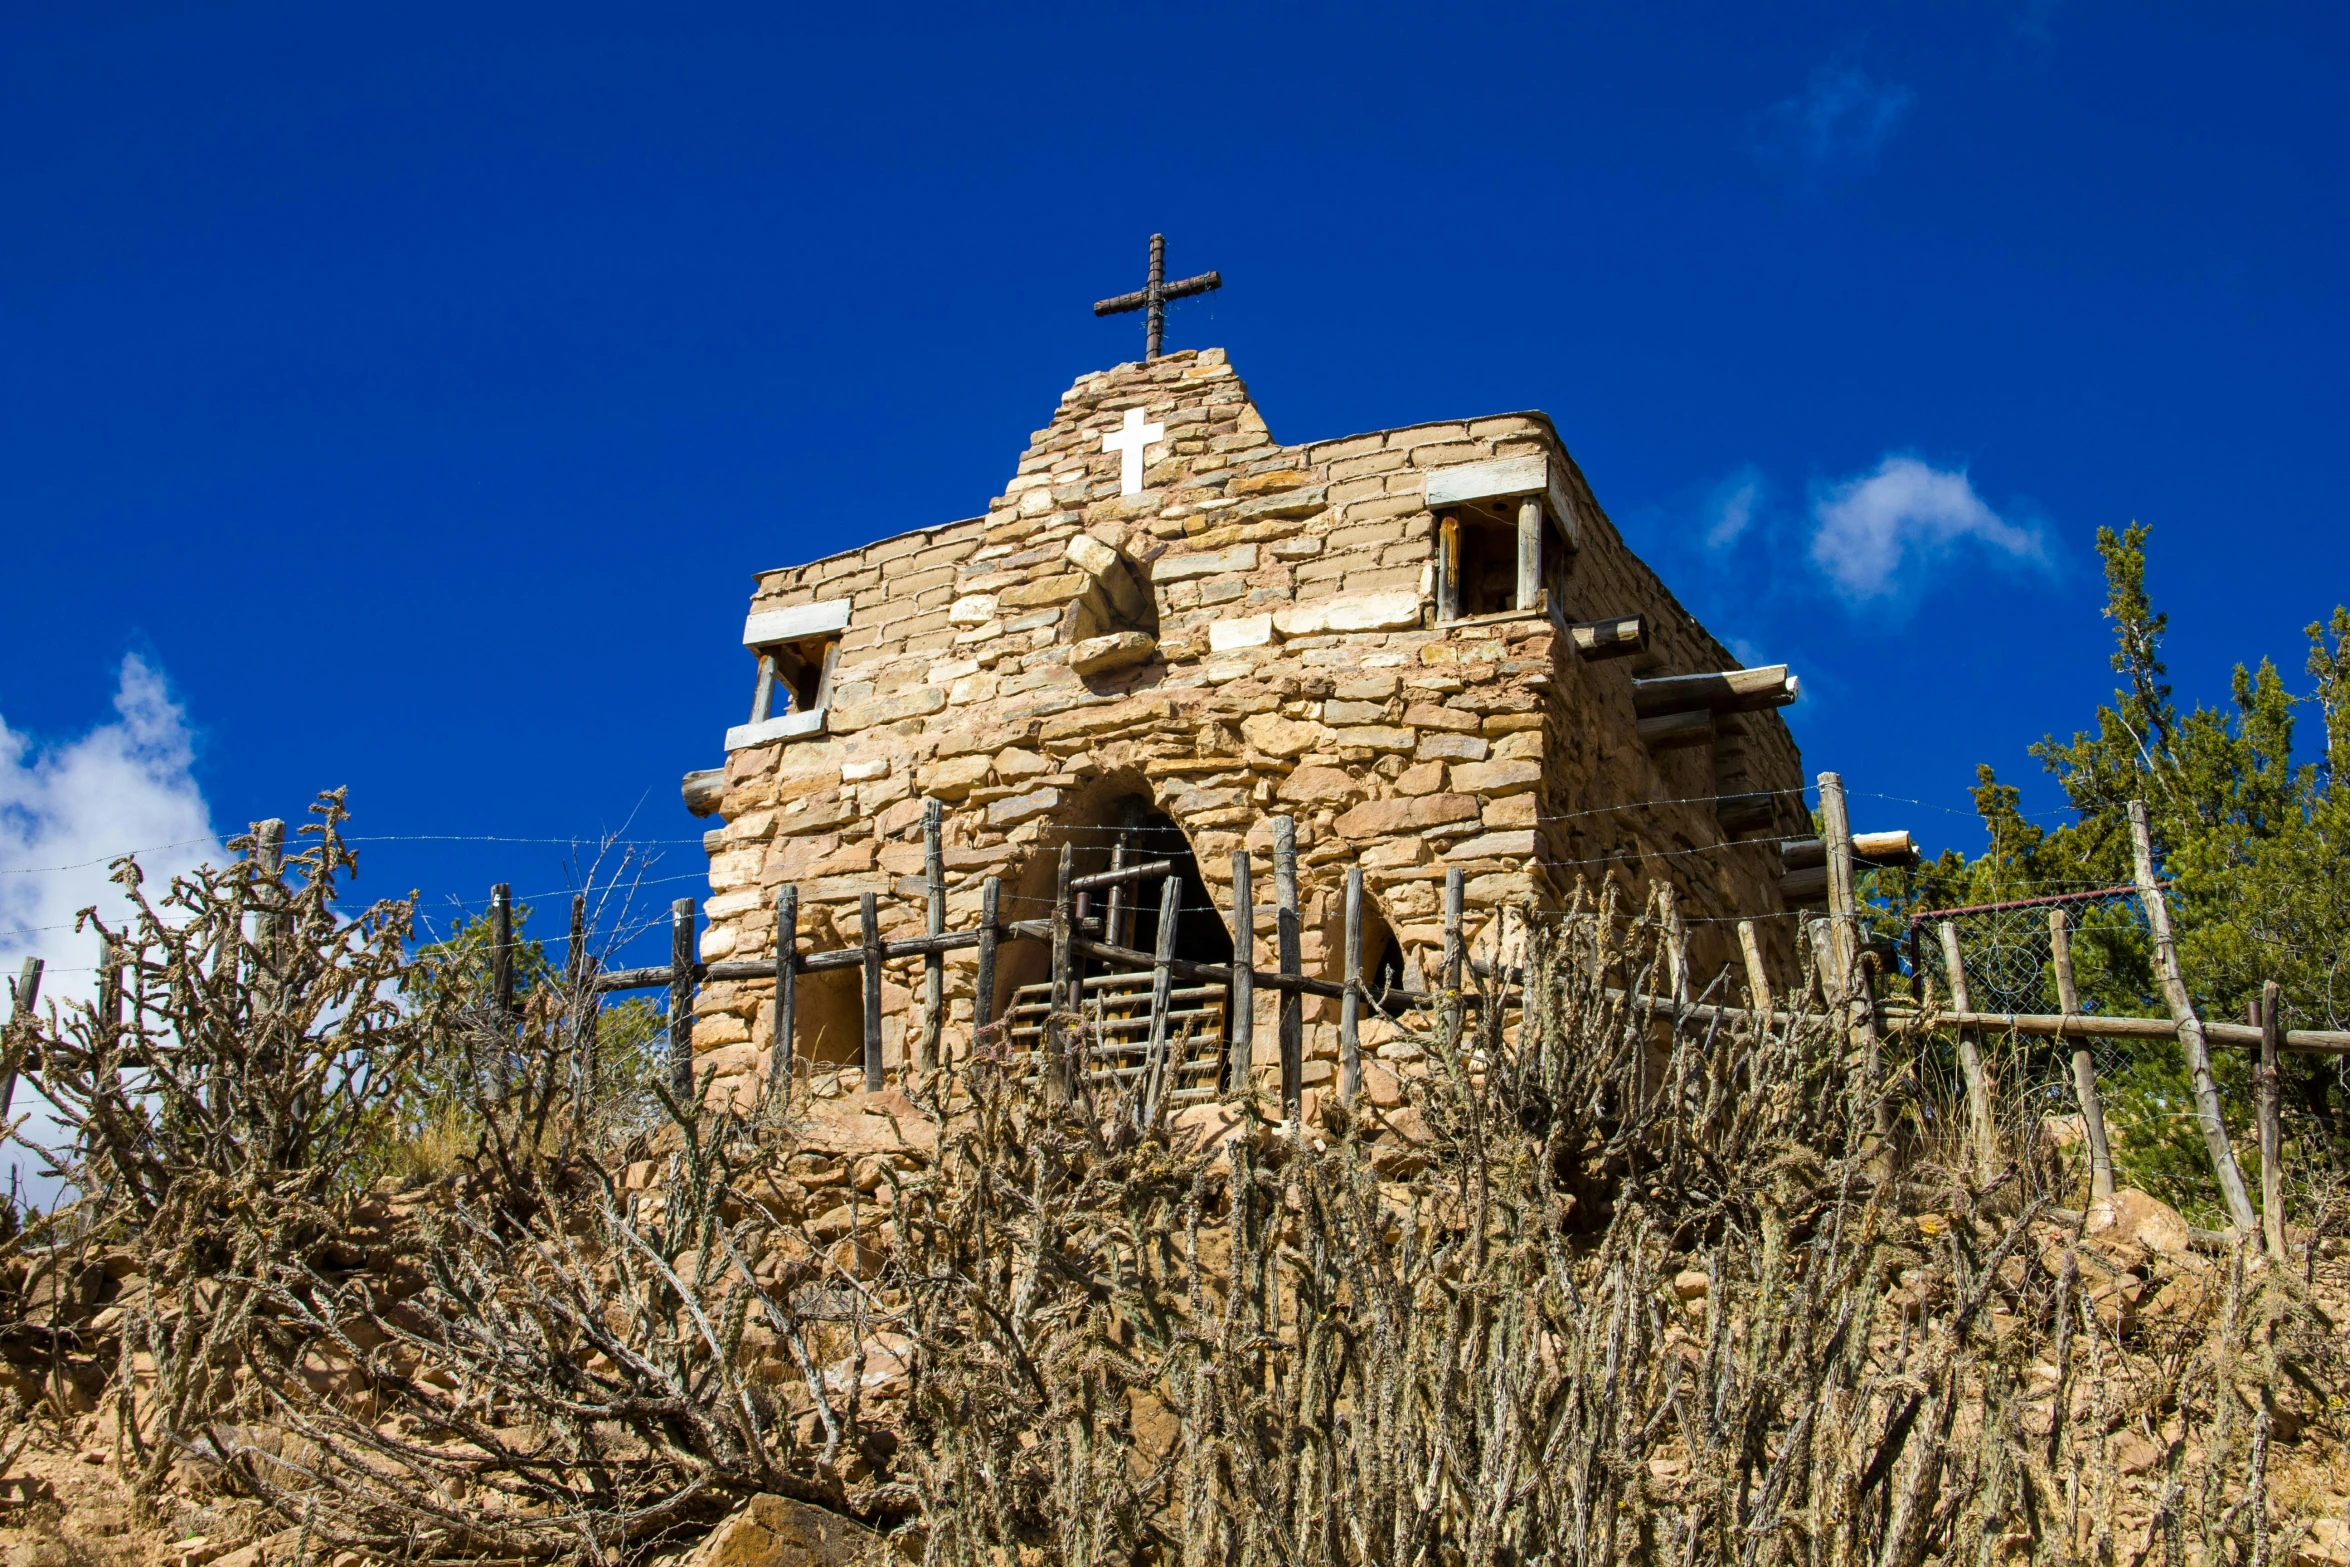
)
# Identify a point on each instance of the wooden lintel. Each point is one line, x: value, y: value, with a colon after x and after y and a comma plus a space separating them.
x: 1723, y: 691
x: 1620, y: 637
x: 1878, y: 849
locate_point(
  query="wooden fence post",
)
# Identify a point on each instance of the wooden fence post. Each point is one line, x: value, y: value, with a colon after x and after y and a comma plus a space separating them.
x: 1350, y: 1010
x: 269, y: 844
x: 1758, y: 979
x: 1843, y: 918
x: 991, y: 892
x: 24, y: 994
x: 1155, y: 1055
x: 1448, y: 568
x: 869, y: 913
x: 1844, y: 943
x: 2272, y: 1126
x: 1060, y: 1086
x: 580, y: 1002
x: 1455, y: 895
x: 502, y: 951
x: 1668, y: 901
x: 1287, y: 939
x: 1981, y: 1132
x: 1822, y: 945
x: 2068, y: 1001
x: 2191, y: 1038
x: 1529, y: 550
x: 681, y: 998
x: 1118, y: 917
x: 934, y: 964
x: 1061, y: 997
x: 787, y: 987
x: 1244, y: 972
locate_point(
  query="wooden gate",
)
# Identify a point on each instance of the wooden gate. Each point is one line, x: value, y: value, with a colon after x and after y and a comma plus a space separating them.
x: 1117, y: 1010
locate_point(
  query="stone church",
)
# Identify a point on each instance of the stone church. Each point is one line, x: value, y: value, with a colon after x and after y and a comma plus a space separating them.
x: 1426, y: 645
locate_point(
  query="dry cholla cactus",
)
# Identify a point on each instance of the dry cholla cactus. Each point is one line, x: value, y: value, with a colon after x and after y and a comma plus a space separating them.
x: 1663, y: 1292
x: 1629, y: 1280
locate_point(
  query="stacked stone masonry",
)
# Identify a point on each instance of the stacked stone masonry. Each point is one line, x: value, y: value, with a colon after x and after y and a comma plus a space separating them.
x: 1253, y: 634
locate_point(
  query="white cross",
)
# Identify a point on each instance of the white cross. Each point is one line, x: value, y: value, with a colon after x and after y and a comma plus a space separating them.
x: 1128, y: 443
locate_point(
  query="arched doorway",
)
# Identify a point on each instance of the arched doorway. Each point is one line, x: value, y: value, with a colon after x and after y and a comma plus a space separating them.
x: 1124, y: 829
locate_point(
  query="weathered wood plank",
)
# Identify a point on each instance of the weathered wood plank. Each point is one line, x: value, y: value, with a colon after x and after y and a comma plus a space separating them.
x: 1722, y: 691
x: 2085, y: 1090
x: 2191, y: 1035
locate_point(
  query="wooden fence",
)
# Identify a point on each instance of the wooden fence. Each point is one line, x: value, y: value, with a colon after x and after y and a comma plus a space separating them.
x: 1070, y: 933
x: 1847, y: 969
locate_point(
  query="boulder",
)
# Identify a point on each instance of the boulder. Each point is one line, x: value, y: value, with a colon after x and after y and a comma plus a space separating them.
x: 2130, y: 1214
x: 775, y: 1531
x: 1118, y: 650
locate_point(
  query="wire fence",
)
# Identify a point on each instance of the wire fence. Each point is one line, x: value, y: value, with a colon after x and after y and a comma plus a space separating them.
x: 2008, y: 954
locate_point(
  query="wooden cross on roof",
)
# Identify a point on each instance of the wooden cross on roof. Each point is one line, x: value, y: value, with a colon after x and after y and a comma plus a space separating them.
x: 1154, y: 295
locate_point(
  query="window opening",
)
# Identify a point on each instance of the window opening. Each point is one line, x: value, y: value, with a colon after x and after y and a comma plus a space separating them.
x: 797, y: 649
x: 794, y: 677
x: 1481, y: 562
x: 1506, y: 531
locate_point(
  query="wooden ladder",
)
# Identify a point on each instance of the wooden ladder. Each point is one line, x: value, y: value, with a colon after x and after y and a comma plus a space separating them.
x: 1118, y: 1006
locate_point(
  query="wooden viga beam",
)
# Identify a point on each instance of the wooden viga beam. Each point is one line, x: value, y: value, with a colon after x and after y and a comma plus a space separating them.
x: 1805, y: 861
x: 1679, y: 710
x: 704, y: 790
x: 1621, y: 637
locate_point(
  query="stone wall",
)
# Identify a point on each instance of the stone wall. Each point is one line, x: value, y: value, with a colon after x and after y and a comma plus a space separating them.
x: 1252, y: 634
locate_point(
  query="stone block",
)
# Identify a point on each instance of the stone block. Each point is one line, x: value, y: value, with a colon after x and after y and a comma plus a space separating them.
x: 1044, y: 592
x: 1393, y: 854
x: 1384, y: 818
x: 1341, y: 712
x: 1421, y: 778
x: 1118, y: 650
x: 1282, y: 737
x: 1265, y: 483
x: 1513, y: 810
x: 1442, y: 747
x: 1510, y: 845
x: 1376, y: 737
x: 918, y: 702
x: 1496, y: 777
x: 1427, y: 715
x: 1302, y: 502
x: 1321, y: 786
x: 1243, y: 631
x: 956, y: 777
x: 1208, y: 563
x: 1350, y: 612
x: 1018, y: 808
x: 1104, y: 718
x: 845, y: 889
x: 972, y: 609
x: 1108, y: 568
x: 898, y: 817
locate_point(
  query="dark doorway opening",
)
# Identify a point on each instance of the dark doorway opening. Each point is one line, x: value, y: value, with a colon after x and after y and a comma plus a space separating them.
x: 1143, y: 835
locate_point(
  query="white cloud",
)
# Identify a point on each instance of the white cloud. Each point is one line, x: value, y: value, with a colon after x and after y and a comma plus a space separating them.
x: 1842, y: 117
x: 1730, y: 509
x: 68, y: 808
x: 1868, y: 528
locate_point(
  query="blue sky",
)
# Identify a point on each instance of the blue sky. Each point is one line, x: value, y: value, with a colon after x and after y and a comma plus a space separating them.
x: 408, y: 394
